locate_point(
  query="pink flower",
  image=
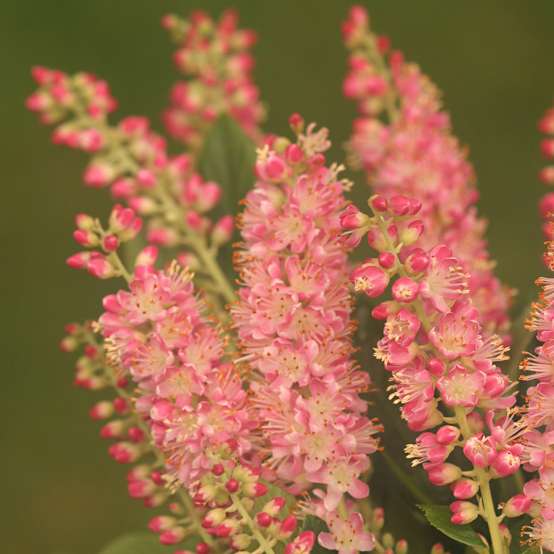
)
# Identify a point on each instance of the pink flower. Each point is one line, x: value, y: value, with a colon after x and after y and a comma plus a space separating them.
x: 456, y: 333
x: 461, y: 387
x: 370, y: 279
x: 347, y: 536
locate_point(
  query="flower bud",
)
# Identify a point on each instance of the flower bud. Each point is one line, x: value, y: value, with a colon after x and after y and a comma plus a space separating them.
x: 448, y: 434
x: 85, y: 238
x: 102, y: 410
x: 171, y: 536
x: 263, y: 519
x: 387, y: 260
x: 223, y: 230
x: 159, y: 524
x: 517, y: 505
x: 352, y: 218
x: 214, y: 517
x: 463, y: 512
x: 443, y: 474
x: 464, y: 489
x: 378, y: 203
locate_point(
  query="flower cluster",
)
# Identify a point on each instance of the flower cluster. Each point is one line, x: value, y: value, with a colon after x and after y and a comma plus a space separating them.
x: 439, y: 358
x: 537, y: 497
x: 414, y: 153
x: 293, y: 322
x: 215, y: 58
x: 245, y: 412
x: 134, y: 162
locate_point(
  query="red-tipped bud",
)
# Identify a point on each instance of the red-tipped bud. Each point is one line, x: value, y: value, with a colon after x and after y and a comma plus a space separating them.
x: 387, y: 260
x: 85, y: 238
x: 232, y: 485
x: 213, y: 518
x: 517, y: 506
x: 110, y: 243
x: 172, y: 536
x: 263, y: 519
x: 463, y: 512
x: 218, y: 469
x: 288, y: 525
x: 135, y: 434
x: 159, y: 524
x: 84, y: 222
x: 296, y: 122
x: 378, y: 203
x: 447, y: 434
x: 223, y: 230
x: 352, y: 218
x: 443, y: 474
x: 120, y: 405
x: 274, y: 506
x: 102, y: 410
x: 465, y: 489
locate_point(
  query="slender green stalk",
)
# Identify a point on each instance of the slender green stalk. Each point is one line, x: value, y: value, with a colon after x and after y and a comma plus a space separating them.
x: 483, y: 478
x: 265, y: 545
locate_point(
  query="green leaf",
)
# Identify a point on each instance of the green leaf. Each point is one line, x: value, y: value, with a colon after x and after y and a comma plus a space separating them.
x: 142, y: 543
x: 227, y: 158
x: 439, y: 517
x: 531, y: 550
x: 312, y: 523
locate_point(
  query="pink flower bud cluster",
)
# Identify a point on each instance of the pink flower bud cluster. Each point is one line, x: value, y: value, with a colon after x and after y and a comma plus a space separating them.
x: 215, y: 59
x: 294, y: 326
x: 61, y: 96
x: 438, y: 355
x: 415, y: 154
x: 229, y: 489
x: 546, y: 175
x: 124, y: 226
x: 133, y: 161
x: 130, y: 435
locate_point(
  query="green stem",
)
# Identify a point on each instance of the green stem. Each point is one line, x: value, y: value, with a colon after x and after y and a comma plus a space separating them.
x: 483, y: 479
x: 264, y: 544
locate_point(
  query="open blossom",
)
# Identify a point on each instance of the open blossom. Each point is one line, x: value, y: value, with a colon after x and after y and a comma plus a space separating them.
x: 414, y: 154
x: 293, y: 321
x: 215, y: 58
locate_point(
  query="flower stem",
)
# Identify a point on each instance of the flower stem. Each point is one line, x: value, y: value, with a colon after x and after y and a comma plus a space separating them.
x: 483, y: 479
x: 264, y: 544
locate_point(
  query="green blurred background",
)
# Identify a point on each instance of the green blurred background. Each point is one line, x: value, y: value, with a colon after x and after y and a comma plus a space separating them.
x: 61, y: 492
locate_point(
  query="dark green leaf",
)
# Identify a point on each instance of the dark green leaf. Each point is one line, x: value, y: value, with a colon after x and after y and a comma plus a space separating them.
x: 531, y: 550
x: 227, y: 157
x: 312, y: 523
x: 141, y: 543
x: 439, y: 517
